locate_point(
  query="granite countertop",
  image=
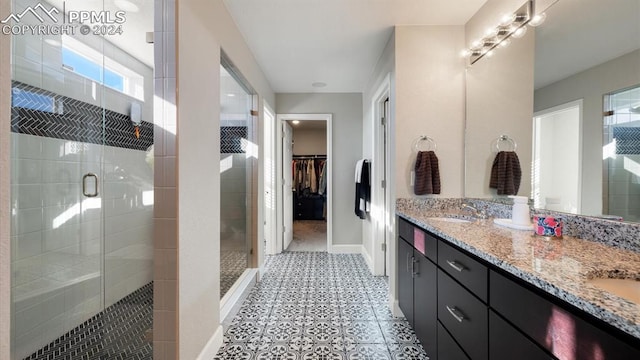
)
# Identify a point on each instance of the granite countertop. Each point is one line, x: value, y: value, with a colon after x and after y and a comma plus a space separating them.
x: 561, y: 267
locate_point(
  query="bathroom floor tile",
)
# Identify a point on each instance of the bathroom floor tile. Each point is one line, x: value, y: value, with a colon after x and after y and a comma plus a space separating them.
x: 320, y: 306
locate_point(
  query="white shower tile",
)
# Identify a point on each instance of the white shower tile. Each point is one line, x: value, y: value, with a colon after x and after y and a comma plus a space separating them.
x: 27, y: 221
x: 27, y: 71
x: 53, y: 149
x: 27, y: 245
x: 158, y: 55
x: 26, y: 196
x: 170, y: 174
x: 52, y: 78
x: 170, y: 16
x: 158, y: 13
x: 27, y: 146
x: 26, y: 171
x: 169, y: 53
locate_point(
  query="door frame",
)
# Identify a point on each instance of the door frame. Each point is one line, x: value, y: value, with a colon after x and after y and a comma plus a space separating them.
x: 277, y: 242
x: 382, y: 221
x: 556, y: 109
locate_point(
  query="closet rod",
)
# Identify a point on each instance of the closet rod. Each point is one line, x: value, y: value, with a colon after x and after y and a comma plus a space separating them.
x: 309, y: 156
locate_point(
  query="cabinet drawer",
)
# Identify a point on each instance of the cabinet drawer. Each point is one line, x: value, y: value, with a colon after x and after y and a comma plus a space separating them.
x: 563, y: 333
x: 425, y: 243
x: 507, y: 343
x: 464, y: 316
x: 462, y: 267
x: 405, y: 230
x: 447, y: 347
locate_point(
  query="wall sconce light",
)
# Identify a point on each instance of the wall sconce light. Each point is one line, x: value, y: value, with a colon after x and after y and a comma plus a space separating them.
x: 512, y: 25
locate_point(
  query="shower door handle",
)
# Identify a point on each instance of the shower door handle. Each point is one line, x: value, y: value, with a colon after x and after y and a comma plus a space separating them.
x: 85, y: 187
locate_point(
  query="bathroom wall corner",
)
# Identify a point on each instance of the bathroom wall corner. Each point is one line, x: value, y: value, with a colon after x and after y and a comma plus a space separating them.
x: 5, y: 188
x: 5, y: 195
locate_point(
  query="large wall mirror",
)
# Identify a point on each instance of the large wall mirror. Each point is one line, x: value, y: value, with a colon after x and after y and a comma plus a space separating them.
x: 569, y: 97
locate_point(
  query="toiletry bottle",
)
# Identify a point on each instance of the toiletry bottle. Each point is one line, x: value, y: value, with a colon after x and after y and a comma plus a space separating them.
x: 520, y: 211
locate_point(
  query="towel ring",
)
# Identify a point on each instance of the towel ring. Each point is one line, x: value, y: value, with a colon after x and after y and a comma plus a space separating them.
x: 429, y: 141
x: 505, y: 138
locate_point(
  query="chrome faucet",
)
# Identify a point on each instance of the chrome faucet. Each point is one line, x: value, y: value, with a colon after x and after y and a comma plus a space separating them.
x: 480, y: 214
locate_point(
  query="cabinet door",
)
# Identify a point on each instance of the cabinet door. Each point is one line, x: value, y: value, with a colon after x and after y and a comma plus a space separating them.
x: 507, y: 343
x: 425, y: 303
x: 405, y: 279
x: 464, y: 316
x: 447, y: 347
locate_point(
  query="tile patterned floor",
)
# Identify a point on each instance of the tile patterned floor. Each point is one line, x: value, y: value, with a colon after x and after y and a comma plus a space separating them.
x: 118, y: 332
x: 232, y: 265
x: 313, y: 305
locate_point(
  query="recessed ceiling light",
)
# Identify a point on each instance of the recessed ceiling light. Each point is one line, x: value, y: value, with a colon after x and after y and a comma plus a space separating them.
x: 319, y: 84
x: 231, y: 94
x: 126, y: 5
x: 295, y: 122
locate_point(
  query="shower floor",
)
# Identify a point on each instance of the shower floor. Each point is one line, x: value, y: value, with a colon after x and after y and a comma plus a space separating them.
x: 118, y: 332
x: 232, y: 265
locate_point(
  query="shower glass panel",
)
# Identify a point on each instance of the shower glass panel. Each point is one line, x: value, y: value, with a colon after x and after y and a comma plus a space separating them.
x: 82, y: 182
x: 621, y: 153
x: 236, y: 176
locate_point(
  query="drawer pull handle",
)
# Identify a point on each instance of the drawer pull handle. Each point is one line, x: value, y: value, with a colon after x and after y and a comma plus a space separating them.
x: 455, y: 265
x: 455, y: 313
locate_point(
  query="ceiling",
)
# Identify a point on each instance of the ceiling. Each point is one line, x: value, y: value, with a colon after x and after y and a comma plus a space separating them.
x: 579, y: 34
x: 337, y: 42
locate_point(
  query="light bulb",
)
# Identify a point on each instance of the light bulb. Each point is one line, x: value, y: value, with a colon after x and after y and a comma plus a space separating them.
x: 504, y: 43
x: 519, y: 32
x: 538, y: 19
x: 464, y: 53
x: 475, y: 44
x: 507, y: 19
x: 490, y: 53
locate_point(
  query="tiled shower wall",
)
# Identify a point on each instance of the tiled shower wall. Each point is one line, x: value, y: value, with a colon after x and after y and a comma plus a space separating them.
x: 57, y: 234
x: 57, y: 264
x: 165, y: 292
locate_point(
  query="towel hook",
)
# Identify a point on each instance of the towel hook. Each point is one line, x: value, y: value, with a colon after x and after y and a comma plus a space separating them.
x: 430, y: 142
x: 506, y: 138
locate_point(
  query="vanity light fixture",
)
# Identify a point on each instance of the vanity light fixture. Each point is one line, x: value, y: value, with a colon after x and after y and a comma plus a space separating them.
x: 511, y: 25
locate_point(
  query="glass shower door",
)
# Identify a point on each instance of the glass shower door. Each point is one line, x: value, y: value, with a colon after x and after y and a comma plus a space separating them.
x: 82, y: 191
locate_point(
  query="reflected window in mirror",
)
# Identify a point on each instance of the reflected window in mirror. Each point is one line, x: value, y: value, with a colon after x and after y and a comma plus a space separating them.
x: 621, y: 154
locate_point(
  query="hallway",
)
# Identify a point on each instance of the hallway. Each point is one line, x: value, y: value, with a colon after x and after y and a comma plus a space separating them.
x: 313, y: 305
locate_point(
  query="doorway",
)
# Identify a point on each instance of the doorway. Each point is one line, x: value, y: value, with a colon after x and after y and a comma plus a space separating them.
x: 557, y: 179
x: 304, y: 164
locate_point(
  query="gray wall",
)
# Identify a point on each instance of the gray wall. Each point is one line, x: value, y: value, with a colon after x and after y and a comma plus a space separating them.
x: 346, y: 109
x: 590, y: 85
x: 309, y: 141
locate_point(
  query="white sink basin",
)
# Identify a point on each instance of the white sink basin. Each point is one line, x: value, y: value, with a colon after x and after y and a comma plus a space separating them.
x: 450, y: 219
x: 625, y: 288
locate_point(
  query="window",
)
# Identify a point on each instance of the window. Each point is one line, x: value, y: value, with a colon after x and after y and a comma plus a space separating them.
x: 87, y: 62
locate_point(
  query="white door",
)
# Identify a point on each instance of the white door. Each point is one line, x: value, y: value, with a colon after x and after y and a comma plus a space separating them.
x: 287, y: 185
x: 269, y: 182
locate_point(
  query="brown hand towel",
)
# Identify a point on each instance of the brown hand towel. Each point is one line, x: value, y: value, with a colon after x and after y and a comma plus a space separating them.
x: 427, y: 178
x: 506, y: 173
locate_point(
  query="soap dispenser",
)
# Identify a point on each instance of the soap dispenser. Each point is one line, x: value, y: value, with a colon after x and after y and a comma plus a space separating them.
x: 520, y: 211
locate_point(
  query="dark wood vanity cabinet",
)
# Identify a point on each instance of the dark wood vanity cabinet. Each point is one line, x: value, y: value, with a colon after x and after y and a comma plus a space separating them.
x: 462, y: 307
x: 417, y: 276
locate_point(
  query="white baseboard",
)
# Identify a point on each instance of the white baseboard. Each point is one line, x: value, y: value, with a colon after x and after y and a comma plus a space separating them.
x: 346, y: 249
x: 231, y: 298
x: 367, y: 259
x: 213, y: 345
x: 395, y: 307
